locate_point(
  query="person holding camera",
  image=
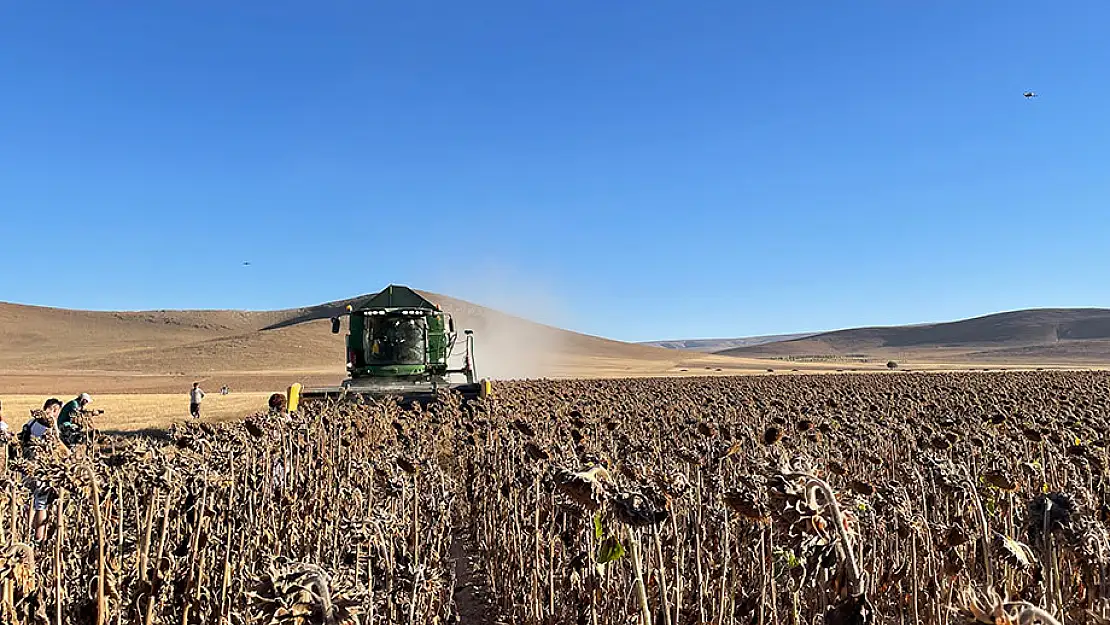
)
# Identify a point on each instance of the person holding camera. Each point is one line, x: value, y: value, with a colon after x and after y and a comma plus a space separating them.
x: 70, y: 426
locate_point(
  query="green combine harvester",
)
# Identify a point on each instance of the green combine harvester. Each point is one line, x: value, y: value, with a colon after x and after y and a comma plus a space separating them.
x: 399, y: 344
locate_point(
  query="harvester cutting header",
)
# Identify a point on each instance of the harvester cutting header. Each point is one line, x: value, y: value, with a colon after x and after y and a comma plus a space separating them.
x: 400, y: 344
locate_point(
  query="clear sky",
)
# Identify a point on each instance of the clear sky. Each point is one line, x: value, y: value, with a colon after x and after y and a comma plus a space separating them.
x: 639, y: 170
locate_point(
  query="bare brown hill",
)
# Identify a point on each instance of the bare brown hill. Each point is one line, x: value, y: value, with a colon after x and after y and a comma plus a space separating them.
x: 1049, y: 335
x: 37, y: 336
x: 41, y: 348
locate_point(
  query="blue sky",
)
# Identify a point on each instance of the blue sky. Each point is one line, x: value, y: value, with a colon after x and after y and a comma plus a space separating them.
x: 630, y: 169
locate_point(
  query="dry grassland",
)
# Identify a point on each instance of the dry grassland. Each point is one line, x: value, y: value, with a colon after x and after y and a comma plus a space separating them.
x: 132, y: 412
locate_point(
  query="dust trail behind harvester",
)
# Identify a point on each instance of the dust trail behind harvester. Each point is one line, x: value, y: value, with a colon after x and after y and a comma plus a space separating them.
x: 511, y: 349
x: 507, y: 346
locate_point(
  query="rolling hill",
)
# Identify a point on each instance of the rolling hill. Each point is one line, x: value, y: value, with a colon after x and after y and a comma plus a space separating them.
x: 719, y: 345
x: 61, y: 351
x: 47, y: 349
x: 1044, y: 336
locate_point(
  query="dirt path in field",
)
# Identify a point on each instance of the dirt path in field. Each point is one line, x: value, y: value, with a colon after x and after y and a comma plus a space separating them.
x: 473, y: 601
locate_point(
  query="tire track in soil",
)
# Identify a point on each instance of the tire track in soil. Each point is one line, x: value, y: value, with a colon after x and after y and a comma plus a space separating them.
x: 474, y: 603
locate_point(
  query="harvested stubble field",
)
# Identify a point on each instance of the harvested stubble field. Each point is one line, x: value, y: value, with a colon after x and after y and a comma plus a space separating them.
x: 129, y: 412
x: 908, y: 498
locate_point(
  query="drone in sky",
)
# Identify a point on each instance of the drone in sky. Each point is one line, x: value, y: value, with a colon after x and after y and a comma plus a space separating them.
x: 1030, y: 94
x: 246, y: 263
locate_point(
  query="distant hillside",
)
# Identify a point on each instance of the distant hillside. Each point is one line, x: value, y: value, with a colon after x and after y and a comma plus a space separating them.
x: 44, y: 348
x: 719, y: 345
x: 1080, y: 335
x: 199, y: 340
x: 51, y: 350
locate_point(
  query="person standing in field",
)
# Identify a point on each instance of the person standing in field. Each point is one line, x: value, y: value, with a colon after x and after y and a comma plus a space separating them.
x: 195, y: 396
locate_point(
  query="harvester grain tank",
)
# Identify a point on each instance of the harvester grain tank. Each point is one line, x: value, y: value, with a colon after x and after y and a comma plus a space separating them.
x: 400, y: 344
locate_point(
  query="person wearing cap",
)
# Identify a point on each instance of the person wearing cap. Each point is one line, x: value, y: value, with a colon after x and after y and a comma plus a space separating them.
x: 73, y: 409
x: 68, y: 426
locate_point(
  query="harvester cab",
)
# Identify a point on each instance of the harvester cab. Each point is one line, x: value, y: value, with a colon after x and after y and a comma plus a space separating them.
x: 400, y: 344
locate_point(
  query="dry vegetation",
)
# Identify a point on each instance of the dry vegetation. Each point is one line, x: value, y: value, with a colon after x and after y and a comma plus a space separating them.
x: 133, y: 411
x: 902, y: 498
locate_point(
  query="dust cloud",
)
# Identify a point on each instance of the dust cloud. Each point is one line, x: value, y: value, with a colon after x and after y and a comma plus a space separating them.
x: 515, y: 350
x: 508, y: 343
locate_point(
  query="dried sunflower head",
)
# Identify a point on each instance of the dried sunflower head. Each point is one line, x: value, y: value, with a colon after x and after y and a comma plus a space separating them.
x: 747, y: 505
x: 955, y: 535
x: 535, y: 452
x: 586, y: 488
x: 853, y: 610
x: 1089, y: 540
x: 638, y: 510
x: 1000, y: 479
x: 675, y: 484
x: 1051, y: 510
x: 17, y: 564
x: 772, y: 435
x: 861, y: 488
x: 991, y: 609
x: 299, y: 593
x: 1015, y: 553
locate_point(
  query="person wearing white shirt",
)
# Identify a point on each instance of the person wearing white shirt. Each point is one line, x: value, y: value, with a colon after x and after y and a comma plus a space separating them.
x: 195, y: 396
x: 41, y: 427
